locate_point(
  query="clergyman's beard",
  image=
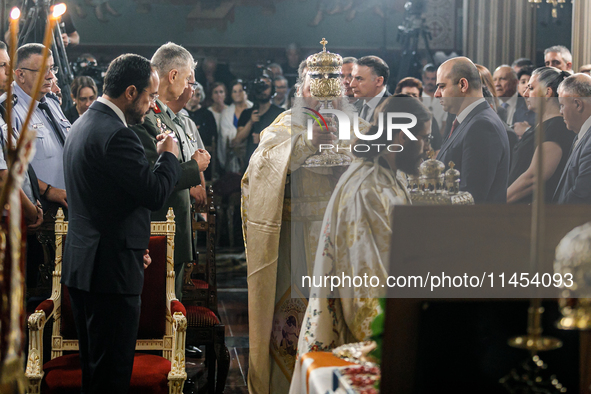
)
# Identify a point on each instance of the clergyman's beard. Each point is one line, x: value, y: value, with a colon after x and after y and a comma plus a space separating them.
x: 134, y: 113
x: 409, y: 158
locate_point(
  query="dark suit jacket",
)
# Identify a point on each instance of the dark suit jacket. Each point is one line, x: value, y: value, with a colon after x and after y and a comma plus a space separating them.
x: 574, y: 186
x: 111, y: 190
x: 479, y: 148
x: 179, y: 200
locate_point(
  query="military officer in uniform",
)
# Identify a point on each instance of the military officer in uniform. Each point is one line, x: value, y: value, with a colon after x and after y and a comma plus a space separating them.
x: 189, y: 138
x: 174, y: 65
x: 48, y: 120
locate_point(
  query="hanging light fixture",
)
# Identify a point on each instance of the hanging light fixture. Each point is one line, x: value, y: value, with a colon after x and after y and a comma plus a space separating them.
x: 554, y: 3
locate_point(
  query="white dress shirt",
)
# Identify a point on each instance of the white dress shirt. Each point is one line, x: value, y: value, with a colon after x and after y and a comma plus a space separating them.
x: 511, y: 106
x: 115, y: 108
x: 462, y: 115
x: 372, y: 104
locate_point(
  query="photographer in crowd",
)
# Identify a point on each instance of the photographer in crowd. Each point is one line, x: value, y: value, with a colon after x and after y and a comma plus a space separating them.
x: 254, y: 120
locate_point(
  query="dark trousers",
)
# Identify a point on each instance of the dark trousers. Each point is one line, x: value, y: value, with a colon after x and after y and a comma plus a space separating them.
x: 107, y: 326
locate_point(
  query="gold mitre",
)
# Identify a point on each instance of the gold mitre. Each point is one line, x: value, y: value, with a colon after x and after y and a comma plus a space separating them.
x: 325, y: 73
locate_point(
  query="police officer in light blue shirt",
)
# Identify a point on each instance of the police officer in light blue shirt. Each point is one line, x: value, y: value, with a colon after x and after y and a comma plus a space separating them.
x: 48, y: 120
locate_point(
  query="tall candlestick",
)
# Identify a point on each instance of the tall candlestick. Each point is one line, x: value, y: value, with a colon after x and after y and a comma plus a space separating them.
x: 57, y: 11
x: 14, y: 19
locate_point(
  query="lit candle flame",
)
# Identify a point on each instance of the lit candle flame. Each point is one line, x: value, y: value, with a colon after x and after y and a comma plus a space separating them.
x: 15, y: 13
x: 59, y: 10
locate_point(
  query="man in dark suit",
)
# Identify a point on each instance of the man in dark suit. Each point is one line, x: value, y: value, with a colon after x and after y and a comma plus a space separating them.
x: 370, y: 79
x: 175, y: 66
x: 574, y: 94
x: 506, y: 82
x: 111, y: 190
x: 477, y: 143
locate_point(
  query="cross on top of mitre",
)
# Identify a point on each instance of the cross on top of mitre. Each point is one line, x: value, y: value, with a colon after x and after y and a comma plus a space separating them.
x: 324, y: 42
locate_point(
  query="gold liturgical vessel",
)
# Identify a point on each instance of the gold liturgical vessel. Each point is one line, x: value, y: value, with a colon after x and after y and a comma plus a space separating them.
x: 324, y: 69
x: 434, y: 187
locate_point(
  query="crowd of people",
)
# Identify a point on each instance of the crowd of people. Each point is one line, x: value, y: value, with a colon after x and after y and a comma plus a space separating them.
x: 165, y: 120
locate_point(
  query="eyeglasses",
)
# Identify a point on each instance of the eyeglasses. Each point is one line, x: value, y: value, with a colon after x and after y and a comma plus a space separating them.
x: 426, y: 138
x: 153, y: 96
x: 54, y: 69
x: 194, y: 85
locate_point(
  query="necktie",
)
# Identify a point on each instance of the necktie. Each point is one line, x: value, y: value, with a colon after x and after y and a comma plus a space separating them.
x: 43, y: 106
x: 453, y: 127
x: 364, y: 111
x: 505, y: 105
x: 177, y: 121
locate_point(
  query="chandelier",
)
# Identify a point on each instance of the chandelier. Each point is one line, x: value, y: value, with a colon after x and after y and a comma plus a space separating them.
x: 555, y: 4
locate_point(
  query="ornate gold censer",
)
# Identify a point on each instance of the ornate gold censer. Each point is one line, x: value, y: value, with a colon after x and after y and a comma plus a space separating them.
x: 324, y: 69
x: 433, y: 187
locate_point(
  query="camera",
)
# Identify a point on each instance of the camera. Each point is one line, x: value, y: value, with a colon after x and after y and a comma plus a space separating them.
x: 84, y: 67
x: 256, y: 88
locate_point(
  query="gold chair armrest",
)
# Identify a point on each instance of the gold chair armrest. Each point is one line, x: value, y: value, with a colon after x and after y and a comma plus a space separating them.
x: 177, y: 374
x: 34, y: 370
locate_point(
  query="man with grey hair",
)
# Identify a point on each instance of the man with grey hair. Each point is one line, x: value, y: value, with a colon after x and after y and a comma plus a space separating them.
x: 174, y: 65
x: 574, y: 94
x: 478, y: 142
x: 51, y: 124
x: 505, y: 82
x: 558, y: 56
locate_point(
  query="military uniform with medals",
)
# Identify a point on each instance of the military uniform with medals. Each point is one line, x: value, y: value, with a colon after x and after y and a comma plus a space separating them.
x: 157, y: 121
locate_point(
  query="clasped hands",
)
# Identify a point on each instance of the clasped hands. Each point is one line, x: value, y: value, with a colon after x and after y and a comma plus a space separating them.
x: 167, y: 144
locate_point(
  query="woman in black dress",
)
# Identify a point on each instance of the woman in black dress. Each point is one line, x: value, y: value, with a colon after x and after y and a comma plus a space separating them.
x: 542, y: 87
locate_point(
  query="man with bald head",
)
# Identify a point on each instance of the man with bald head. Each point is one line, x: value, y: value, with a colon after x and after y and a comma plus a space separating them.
x: 574, y: 94
x: 478, y: 143
x: 505, y: 81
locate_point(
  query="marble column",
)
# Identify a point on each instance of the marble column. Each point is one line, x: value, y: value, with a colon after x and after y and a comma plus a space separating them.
x: 499, y: 31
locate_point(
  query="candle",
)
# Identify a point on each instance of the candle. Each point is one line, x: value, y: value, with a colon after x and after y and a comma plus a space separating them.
x: 14, y: 18
x: 57, y: 11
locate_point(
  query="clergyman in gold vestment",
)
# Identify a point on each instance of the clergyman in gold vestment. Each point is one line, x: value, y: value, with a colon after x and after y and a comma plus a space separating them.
x: 282, y: 209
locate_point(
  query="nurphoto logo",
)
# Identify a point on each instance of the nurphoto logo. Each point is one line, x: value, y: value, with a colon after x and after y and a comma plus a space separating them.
x: 344, y: 129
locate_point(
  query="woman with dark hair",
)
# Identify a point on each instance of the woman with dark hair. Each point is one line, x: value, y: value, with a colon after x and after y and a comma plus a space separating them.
x: 228, y: 161
x: 355, y: 237
x: 84, y: 93
x: 542, y: 89
x: 217, y: 96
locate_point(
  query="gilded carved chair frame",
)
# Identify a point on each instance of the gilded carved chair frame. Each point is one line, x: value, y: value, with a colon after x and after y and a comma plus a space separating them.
x: 172, y: 344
